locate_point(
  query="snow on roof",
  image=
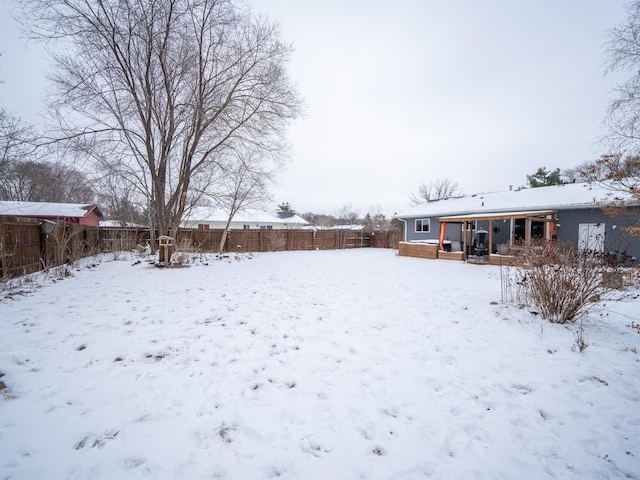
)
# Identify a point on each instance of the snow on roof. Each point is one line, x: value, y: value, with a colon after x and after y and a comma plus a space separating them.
x: 111, y: 223
x: 47, y: 209
x: 556, y: 197
x: 515, y: 214
x: 214, y: 214
x: 346, y: 227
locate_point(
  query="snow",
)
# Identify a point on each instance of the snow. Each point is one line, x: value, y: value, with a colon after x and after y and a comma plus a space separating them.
x: 555, y: 197
x: 44, y: 209
x: 247, y: 216
x: 309, y: 365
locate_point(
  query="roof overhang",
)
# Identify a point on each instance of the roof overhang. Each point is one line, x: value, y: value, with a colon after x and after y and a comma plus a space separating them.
x: 539, y: 215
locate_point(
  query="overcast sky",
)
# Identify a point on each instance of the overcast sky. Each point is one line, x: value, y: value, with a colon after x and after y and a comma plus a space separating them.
x: 402, y: 93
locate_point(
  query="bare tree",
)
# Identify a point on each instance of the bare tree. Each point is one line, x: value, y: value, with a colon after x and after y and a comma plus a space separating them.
x: 577, y: 174
x: 623, y: 51
x: 244, y: 186
x: 161, y: 89
x: 120, y: 202
x: 16, y: 140
x: 618, y: 169
x: 439, y: 189
x: 618, y: 173
x: 29, y: 181
x: 346, y: 215
x: 375, y: 219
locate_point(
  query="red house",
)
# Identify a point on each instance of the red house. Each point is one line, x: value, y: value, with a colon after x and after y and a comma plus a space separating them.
x: 56, y: 212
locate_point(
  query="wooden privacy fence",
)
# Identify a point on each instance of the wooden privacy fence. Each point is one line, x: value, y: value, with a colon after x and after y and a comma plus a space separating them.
x: 26, y: 245
x: 115, y: 239
x: 284, y: 240
x: 200, y: 240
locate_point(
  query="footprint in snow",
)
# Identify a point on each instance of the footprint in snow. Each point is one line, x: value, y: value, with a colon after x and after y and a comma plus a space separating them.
x: 98, y: 441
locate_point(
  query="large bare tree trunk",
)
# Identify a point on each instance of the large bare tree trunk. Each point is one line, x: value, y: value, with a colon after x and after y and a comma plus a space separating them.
x: 166, y: 91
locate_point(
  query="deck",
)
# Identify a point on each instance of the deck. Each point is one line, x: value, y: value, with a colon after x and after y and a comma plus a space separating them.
x: 432, y: 252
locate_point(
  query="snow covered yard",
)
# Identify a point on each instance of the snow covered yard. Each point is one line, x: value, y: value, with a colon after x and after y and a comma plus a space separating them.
x: 310, y: 365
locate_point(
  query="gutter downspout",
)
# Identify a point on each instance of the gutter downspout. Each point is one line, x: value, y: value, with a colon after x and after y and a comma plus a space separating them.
x: 404, y: 229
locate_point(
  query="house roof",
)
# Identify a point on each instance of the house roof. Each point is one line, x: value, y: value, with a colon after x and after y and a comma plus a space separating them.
x: 556, y: 197
x: 48, y: 209
x: 111, y: 223
x: 498, y: 216
x: 249, y: 216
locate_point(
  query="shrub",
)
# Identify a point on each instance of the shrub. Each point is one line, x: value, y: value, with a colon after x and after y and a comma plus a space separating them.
x: 563, y: 283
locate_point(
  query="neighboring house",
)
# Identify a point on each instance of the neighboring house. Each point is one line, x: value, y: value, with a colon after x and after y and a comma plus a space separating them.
x: 82, y: 214
x: 571, y: 212
x: 343, y: 227
x: 250, y: 219
x: 110, y: 223
x: 353, y: 228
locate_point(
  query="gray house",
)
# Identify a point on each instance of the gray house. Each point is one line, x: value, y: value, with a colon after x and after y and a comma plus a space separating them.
x: 486, y: 224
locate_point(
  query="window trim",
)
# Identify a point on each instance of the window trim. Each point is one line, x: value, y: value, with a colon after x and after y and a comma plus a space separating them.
x: 422, y: 224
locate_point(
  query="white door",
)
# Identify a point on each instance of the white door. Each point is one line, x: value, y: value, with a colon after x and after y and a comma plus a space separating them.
x: 591, y: 237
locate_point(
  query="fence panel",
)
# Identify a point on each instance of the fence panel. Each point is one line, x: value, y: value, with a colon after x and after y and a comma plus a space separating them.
x: 53, y: 251
x: 20, y: 245
x: 25, y: 247
x: 274, y: 240
x: 68, y: 242
x: 243, y: 241
x: 115, y: 239
x: 301, y: 240
x: 327, y: 239
x: 199, y: 240
x: 388, y: 239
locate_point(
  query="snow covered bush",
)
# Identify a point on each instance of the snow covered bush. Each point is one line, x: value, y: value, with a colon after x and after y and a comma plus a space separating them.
x: 563, y: 283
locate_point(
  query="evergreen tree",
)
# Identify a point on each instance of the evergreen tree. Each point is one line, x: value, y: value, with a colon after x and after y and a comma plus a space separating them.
x: 544, y: 178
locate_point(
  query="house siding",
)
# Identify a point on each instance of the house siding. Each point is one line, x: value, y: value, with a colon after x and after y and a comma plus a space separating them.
x: 241, y: 225
x: 90, y: 219
x: 615, y: 239
x: 410, y: 230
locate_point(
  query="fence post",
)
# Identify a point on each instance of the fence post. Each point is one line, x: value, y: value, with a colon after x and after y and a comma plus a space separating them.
x: 3, y: 260
x: 44, y: 257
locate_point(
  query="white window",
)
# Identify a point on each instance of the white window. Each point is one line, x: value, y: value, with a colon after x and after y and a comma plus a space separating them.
x: 423, y: 225
x: 246, y: 227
